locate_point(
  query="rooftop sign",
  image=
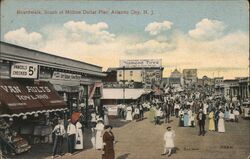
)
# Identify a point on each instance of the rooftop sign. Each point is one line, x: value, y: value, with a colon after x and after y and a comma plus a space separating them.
x: 141, y: 63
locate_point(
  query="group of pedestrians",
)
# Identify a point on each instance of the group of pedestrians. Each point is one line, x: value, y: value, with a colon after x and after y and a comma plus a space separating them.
x: 132, y: 111
x: 102, y: 136
x: 73, y: 134
x: 216, y: 121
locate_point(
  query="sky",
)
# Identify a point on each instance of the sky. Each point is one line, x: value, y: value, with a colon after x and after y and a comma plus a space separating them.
x: 212, y: 36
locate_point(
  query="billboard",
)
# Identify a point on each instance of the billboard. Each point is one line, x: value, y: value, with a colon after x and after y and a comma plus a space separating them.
x: 137, y: 63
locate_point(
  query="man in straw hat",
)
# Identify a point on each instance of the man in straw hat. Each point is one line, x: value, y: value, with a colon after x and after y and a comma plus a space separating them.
x: 71, y: 132
x: 59, y: 132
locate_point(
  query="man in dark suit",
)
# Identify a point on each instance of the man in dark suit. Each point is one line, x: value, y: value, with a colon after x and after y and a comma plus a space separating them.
x: 201, y: 118
x: 216, y: 118
x: 141, y: 111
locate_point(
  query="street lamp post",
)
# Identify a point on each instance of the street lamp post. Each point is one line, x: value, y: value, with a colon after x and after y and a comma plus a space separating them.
x: 123, y: 85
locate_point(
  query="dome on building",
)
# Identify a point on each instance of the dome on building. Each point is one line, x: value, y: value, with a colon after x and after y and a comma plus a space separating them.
x: 176, y: 74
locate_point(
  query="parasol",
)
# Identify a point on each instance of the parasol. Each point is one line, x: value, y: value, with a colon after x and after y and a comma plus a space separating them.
x: 74, y: 117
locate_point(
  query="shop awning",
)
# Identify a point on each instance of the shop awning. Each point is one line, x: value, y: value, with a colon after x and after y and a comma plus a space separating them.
x: 117, y: 93
x: 24, y: 97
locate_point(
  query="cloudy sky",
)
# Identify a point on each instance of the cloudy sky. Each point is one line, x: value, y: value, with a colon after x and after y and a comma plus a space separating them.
x: 212, y: 36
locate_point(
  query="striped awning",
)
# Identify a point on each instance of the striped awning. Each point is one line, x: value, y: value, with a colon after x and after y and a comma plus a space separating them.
x: 21, y: 97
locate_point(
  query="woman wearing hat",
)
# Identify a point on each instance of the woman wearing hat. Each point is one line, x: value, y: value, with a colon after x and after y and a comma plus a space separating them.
x: 129, y: 113
x: 211, y: 125
x: 108, y: 143
x: 106, y: 118
x: 98, y: 139
x: 79, y: 136
x: 169, y: 141
x: 221, y: 124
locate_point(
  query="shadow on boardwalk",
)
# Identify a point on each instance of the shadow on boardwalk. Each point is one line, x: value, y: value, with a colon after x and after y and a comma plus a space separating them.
x: 41, y: 151
x: 125, y: 156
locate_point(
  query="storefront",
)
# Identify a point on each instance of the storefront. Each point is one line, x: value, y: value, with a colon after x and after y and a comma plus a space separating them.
x: 77, y: 82
x: 39, y: 88
x: 81, y: 93
x: 113, y: 97
x: 244, y: 89
x: 68, y: 85
x: 27, y: 110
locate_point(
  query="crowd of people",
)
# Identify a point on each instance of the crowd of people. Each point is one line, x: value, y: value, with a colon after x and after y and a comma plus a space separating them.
x: 133, y: 111
x: 189, y: 108
x: 195, y: 108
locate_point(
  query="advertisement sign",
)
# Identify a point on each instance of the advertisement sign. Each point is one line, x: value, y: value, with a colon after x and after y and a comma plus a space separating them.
x: 140, y: 63
x: 65, y: 76
x: 190, y: 73
x: 23, y: 70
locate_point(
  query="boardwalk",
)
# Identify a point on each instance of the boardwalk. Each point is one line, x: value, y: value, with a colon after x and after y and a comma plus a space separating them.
x: 144, y: 140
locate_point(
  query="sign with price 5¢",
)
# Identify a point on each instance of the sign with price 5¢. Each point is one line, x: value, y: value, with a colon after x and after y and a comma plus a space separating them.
x: 23, y: 70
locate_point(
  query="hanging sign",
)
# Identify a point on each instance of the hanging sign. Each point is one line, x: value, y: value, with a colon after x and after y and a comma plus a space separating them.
x: 65, y: 76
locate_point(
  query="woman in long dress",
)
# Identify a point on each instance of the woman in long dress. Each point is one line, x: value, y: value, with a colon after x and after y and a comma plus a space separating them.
x: 236, y: 114
x: 181, y: 118
x: 226, y: 113
x: 106, y: 118
x: 169, y: 141
x: 136, y: 113
x: 79, y: 136
x: 190, y: 117
x: 211, y: 125
x: 108, y: 143
x: 221, y: 123
x: 129, y: 113
x: 231, y: 115
x: 98, y: 139
x: 93, y: 120
x: 93, y: 125
x: 192, y: 120
x: 158, y: 114
x: 185, y: 117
